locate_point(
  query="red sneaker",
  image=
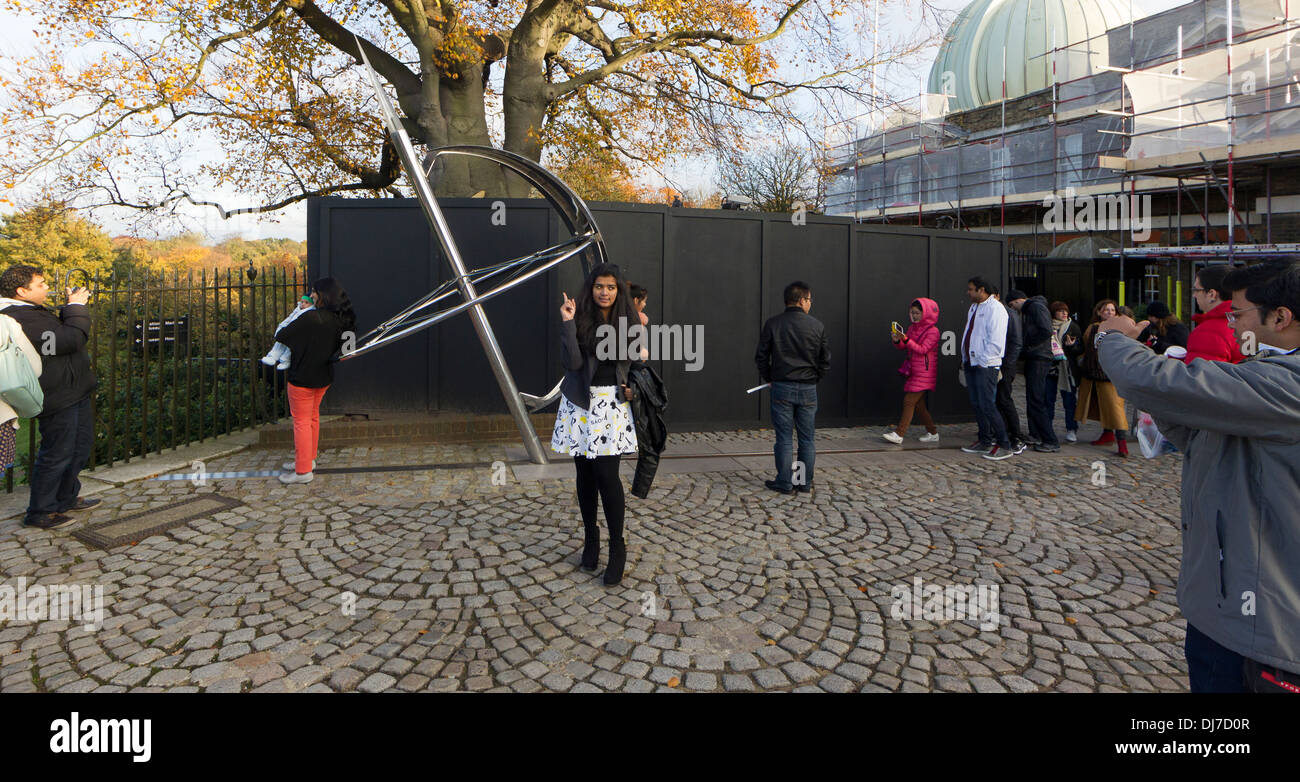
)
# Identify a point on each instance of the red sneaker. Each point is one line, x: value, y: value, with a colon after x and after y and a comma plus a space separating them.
x: 1122, y: 446
x: 1106, y: 439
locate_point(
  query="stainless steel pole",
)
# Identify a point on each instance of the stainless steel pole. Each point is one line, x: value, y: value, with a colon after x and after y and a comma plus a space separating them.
x: 482, y: 327
x: 433, y: 212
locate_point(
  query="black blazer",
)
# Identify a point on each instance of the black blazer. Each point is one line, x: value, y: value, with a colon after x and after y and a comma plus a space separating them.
x: 580, y: 367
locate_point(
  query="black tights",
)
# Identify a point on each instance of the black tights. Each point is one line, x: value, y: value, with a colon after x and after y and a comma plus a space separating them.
x: 600, y: 476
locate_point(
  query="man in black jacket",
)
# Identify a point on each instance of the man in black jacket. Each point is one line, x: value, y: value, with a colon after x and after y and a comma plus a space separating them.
x: 66, y: 423
x: 793, y: 355
x: 1040, y: 398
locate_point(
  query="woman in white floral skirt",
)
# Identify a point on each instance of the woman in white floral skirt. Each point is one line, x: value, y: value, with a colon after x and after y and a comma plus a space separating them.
x: 594, y: 423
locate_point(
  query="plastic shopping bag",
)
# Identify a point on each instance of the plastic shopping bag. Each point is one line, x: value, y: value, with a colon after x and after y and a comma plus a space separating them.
x: 1149, y: 438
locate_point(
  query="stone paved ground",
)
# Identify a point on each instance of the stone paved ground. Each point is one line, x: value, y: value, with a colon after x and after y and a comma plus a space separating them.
x: 461, y: 584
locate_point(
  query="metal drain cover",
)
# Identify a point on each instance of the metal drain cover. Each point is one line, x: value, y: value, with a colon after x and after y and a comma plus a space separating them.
x: 138, y: 526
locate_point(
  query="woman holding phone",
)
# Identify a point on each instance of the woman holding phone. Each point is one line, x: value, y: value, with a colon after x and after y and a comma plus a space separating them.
x: 594, y: 423
x: 921, y: 368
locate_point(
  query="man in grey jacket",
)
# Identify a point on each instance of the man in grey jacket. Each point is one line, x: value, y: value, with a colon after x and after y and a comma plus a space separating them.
x: 1239, y: 428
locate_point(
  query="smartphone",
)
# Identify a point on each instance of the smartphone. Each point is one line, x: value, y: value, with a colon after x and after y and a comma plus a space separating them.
x: 897, y: 329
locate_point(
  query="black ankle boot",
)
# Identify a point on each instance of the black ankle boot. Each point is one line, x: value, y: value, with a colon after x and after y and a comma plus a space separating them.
x: 617, y: 559
x: 591, y: 551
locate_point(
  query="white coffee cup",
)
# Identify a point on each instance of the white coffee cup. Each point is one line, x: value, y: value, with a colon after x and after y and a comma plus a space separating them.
x: 1176, y: 351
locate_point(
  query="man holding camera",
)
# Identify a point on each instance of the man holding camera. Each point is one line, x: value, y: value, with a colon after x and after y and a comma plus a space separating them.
x: 1239, y: 428
x: 66, y: 423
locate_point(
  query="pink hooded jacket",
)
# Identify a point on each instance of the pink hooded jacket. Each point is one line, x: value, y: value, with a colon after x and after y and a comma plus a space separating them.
x: 922, y: 346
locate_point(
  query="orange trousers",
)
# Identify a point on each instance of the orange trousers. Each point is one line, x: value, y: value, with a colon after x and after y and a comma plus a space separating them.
x: 304, y: 406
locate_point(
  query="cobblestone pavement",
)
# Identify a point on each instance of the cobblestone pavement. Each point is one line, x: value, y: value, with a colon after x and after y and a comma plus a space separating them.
x: 462, y: 584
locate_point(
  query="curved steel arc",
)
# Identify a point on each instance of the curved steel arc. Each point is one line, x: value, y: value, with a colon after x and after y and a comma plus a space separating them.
x: 384, y: 332
x: 429, y: 320
x: 572, y: 209
x: 590, y: 248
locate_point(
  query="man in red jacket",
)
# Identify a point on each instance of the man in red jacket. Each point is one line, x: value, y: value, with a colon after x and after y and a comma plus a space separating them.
x: 1213, y: 338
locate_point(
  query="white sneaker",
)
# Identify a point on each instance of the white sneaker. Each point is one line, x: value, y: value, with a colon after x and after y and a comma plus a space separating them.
x: 270, y: 362
x: 892, y: 437
x: 293, y: 466
x: 1071, y: 437
x: 282, y: 365
x: 293, y: 477
x: 929, y: 438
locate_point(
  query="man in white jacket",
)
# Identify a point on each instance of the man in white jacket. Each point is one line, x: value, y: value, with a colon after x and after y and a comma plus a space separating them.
x: 983, y: 341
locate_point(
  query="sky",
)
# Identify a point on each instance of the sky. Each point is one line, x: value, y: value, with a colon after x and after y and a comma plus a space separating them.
x: 900, y: 79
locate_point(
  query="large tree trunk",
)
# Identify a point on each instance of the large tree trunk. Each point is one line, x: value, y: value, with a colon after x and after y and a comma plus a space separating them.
x: 462, y: 101
x: 526, y: 89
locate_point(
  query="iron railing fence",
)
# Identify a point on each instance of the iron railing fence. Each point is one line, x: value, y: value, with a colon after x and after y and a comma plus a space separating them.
x: 178, y: 360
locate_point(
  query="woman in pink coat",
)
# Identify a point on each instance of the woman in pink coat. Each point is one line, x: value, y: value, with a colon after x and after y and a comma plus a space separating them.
x: 921, y: 367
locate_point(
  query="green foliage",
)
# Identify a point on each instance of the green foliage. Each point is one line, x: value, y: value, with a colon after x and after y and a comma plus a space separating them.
x: 55, y: 240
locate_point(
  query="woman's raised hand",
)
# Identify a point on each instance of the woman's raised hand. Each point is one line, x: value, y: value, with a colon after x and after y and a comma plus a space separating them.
x: 568, y: 307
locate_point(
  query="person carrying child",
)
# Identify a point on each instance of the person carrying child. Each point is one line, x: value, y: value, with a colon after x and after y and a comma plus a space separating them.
x: 279, y: 355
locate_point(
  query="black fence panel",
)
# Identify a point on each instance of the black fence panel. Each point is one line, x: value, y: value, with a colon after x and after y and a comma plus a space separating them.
x: 720, y: 270
x: 389, y: 259
x: 888, y: 273
x: 819, y: 256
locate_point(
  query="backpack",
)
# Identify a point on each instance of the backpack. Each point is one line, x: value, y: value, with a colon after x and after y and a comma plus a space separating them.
x: 19, y: 386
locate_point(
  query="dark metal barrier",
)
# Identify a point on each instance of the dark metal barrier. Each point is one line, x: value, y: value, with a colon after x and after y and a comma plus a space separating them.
x: 722, y: 270
x: 178, y: 360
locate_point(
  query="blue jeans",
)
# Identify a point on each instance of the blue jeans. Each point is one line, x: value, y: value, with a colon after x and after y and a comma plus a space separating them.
x: 1210, y: 666
x: 794, y: 405
x: 1069, y: 400
x: 67, y: 436
x: 982, y: 385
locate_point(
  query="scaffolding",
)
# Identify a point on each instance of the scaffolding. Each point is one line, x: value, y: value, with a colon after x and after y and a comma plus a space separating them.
x: 1185, y: 102
x: 937, y: 164
x: 1156, y: 118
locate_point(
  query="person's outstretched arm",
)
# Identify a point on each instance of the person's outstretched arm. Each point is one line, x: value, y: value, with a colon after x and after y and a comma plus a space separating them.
x: 1255, y: 399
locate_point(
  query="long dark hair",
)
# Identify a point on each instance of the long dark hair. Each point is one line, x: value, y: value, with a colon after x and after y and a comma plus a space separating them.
x: 331, y: 297
x: 1162, y: 325
x: 587, y: 314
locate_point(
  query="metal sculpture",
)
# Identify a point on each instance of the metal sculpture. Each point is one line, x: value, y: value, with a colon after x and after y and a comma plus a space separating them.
x: 585, y: 243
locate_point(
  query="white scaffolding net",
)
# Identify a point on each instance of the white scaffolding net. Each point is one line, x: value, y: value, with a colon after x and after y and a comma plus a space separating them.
x: 1185, y: 105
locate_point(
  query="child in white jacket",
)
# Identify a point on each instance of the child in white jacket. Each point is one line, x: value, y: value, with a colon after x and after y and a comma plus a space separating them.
x: 278, y: 356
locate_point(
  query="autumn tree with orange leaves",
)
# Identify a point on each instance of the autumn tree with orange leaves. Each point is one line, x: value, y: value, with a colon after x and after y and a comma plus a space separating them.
x: 147, y: 104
